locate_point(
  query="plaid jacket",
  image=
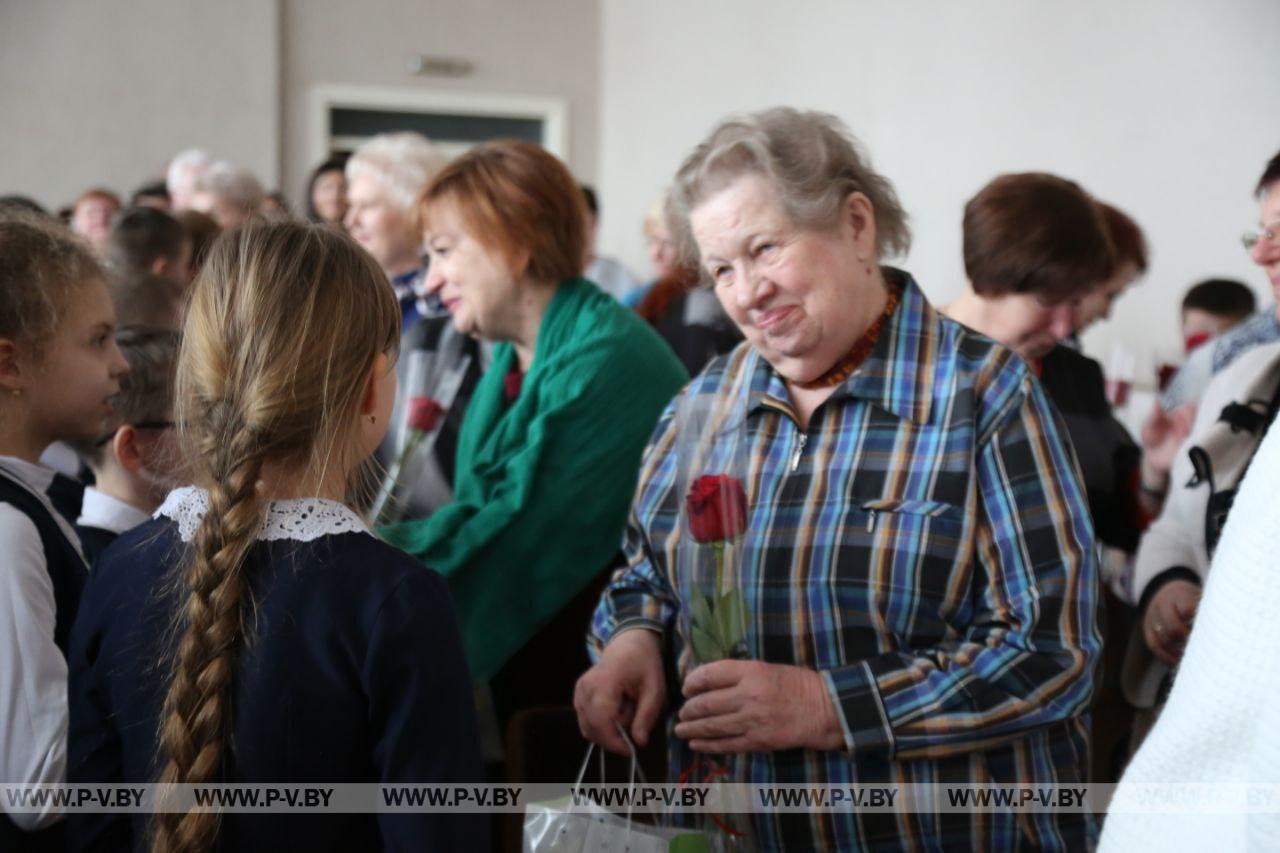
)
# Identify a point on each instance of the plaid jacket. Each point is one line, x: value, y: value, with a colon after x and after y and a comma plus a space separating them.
x: 926, y: 546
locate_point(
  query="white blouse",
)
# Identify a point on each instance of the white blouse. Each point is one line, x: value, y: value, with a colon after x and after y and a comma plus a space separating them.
x: 107, y: 512
x: 1219, y: 727
x: 33, y: 672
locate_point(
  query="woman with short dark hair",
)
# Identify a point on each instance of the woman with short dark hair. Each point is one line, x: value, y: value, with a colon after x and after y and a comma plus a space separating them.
x: 326, y: 197
x: 1034, y: 245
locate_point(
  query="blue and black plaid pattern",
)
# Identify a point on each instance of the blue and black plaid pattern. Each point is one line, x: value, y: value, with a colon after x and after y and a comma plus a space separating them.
x: 927, y: 548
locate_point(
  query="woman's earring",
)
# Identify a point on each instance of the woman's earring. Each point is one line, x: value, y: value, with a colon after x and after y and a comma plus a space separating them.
x: 373, y: 419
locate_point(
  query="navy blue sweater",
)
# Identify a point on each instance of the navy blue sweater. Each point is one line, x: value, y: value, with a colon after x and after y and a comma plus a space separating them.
x: 353, y: 672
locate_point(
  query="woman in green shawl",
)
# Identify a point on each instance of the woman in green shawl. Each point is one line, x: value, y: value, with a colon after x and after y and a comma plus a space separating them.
x: 551, y: 443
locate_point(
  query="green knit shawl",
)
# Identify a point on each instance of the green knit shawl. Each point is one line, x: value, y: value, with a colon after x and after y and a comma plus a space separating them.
x: 543, y: 487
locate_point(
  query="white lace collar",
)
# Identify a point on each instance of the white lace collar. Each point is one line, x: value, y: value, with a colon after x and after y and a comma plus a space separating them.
x: 301, y: 519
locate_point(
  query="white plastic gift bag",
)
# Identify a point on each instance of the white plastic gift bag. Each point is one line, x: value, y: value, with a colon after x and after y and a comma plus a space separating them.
x: 561, y: 827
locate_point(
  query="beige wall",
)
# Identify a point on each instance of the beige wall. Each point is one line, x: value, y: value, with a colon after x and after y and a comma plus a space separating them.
x: 547, y: 48
x: 104, y: 93
x: 1166, y: 108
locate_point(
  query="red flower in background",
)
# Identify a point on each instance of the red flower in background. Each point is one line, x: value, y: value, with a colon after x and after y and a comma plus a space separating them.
x: 1196, y: 341
x: 717, y: 508
x: 512, y: 385
x: 424, y: 414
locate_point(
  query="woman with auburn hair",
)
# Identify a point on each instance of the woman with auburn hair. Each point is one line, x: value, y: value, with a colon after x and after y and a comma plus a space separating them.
x: 552, y: 439
x: 92, y: 214
x: 255, y: 631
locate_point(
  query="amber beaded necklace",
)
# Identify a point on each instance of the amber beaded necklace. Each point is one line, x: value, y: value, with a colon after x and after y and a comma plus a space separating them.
x: 844, y: 368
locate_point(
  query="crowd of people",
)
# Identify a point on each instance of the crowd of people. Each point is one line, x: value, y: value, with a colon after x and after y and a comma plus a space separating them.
x: 348, y: 497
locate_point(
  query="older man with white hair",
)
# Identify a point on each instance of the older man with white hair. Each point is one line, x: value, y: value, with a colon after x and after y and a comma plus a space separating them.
x: 228, y: 193
x: 384, y: 177
x: 183, y: 172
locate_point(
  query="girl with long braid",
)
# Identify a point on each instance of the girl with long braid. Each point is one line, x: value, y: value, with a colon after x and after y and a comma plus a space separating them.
x: 256, y: 631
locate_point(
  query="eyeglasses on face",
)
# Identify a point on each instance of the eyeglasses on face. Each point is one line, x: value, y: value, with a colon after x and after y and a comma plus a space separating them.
x: 1270, y: 234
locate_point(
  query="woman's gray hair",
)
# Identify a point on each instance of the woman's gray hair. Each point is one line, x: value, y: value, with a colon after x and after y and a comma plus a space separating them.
x: 811, y: 158
x: 234, y: 184
x: 184, y: 169
x: 402, y: 164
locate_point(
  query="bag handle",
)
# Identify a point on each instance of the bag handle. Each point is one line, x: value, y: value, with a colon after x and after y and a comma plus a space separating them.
x: 632, y: 774
x: 634, y: 771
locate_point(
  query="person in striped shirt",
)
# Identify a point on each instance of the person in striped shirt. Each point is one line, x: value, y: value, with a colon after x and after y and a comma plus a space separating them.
x: 918, y: 561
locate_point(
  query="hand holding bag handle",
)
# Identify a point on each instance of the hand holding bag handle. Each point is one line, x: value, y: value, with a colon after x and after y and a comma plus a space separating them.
x: 633, y: 772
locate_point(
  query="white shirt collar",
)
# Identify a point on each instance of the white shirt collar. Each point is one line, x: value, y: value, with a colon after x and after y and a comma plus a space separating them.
x: 103, y: 511
x: 300, y: 519
x: 35, y: 477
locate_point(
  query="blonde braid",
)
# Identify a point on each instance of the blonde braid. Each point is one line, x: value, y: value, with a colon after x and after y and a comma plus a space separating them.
x: 283, y: 327
x: 195, y: 726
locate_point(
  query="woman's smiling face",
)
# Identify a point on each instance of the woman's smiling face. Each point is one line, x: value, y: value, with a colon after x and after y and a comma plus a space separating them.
x: 792, y: 290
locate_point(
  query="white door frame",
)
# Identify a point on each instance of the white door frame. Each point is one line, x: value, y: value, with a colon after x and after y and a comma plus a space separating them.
x: 553, y: 112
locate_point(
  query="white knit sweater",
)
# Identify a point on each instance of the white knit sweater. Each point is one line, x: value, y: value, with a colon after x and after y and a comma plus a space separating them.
x: 1222, y: 721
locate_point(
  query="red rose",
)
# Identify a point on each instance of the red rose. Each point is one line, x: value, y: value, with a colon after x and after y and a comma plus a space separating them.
x: 717, y: 507
x: 512, y: 385
x: 424, y: 413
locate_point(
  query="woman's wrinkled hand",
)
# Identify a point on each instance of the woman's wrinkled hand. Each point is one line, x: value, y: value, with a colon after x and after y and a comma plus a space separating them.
x: 750, y: 706
x: 626, y: 688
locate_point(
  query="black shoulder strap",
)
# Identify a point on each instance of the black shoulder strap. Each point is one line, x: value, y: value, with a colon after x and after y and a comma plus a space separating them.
x: 1270, y: 418
x: 1251, y: 415
x: 1248, y: 417
x: 63, y: 562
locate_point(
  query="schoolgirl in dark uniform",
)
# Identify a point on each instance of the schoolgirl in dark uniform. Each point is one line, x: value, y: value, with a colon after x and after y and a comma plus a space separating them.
x: 256, y: 631
x: 58, y: 366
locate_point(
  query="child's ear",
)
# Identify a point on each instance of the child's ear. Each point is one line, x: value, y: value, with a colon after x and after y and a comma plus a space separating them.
x: 369, y: 400
x: 127, y: 450
x: 11, y: 373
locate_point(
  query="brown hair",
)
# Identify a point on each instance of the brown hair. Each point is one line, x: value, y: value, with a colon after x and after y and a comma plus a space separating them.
x: 146, y: 391
x: 1270, y: 176
x: 1126, y: 236
x: 811, y: 158
x: 140, y: 236
x: 203, y: 230
x: 144, y: 299
x: 285, y: 322
x: 100, y: 193
x: 42, y: 263
x: 1222, y: 297
x: 1038, y: 234
x: 518, y: 200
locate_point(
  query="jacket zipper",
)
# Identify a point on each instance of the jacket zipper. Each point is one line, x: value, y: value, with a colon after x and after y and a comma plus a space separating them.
x: 795, y: 457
